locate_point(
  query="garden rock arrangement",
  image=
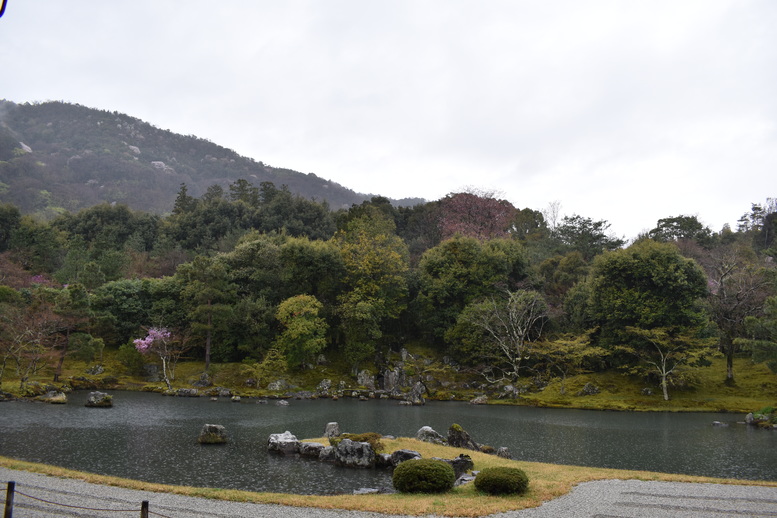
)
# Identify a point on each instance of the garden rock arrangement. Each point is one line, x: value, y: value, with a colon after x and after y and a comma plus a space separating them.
x: 459, y: 438
x: 212, y: 434
x: 363, y: 450
x: 764, y: 418
x: 99, y: 400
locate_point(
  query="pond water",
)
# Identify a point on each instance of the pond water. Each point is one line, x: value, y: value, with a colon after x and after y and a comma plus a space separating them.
x: 153, y: 438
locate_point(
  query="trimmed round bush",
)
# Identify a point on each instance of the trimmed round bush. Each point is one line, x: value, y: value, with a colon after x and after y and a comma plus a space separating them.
x: 502, y: 481
x: 424, y: 476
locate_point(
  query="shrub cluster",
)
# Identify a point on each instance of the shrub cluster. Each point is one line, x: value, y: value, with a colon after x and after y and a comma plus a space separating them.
x: 424, y: 476
x: 370, y: 437
x: 502, y: 481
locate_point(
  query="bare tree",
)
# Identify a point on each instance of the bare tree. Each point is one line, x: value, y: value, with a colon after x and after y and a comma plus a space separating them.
x: 512, y: 325
x: 739, y: 284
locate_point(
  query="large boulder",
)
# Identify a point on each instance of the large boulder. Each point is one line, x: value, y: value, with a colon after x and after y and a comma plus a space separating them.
x: 212, y: 434
x: 353, y: 454
x: 366, y: 379
x: 460, y: 464
x: 400, y: 456
x: 427, y: 434
x: 203, y: 381
x: 278, y: 385
x: 310, y: 449
x: 332, y: 430
x: 459, y: 438
x: 479, y: 400
x: 589, y: 389
x: 416, y: 394
x: 99, y: 400
x: 55, y: 397
x: 285, y: 443
x: 327, y: 454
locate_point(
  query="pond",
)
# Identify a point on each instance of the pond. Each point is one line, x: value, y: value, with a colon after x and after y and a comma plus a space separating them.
x: 153, y: 438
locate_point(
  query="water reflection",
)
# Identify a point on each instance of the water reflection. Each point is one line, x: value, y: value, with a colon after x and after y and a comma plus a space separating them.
x: 151, y: 437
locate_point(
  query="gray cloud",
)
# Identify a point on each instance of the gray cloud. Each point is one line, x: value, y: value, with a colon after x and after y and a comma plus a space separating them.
x: 625, y: 111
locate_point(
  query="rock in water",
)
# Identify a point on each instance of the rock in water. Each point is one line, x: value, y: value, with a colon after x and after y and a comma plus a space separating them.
x: 54, y: 397
x: 310, y: 449
x: 212, y: 434
x: 332, y: 430
x: 99, y: 400
x: 285, y: 443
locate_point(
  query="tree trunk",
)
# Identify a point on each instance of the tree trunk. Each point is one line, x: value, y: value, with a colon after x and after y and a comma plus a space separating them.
x: 727, y: 347
x: 58, y: 371
x: 664, y: 388
x: 208, y: 338
x: 164, y: 373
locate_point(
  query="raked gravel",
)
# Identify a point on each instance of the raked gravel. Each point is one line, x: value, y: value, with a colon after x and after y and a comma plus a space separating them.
x: 602, y: 499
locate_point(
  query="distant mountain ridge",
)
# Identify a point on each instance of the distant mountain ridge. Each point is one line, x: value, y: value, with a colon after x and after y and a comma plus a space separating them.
x: 57, y: 156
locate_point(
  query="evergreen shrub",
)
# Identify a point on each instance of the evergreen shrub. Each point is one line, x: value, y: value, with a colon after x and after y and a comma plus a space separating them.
x: 424, y: 476
x: 502, y: 481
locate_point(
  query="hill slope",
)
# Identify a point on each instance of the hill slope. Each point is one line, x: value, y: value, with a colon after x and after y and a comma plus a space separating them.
x: 56, y: 156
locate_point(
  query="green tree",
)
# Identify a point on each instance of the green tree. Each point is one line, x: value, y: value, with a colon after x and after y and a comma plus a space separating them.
x: 376, y: 267
x: 304, y: 331
x: 311, y: 267
x: 681, y: 227
x: 72, y: 306
x: 762, y: 335
x: 462, y: 270
x: 739, y: 284
x: 568, y: 354
x: 209, y: 293
x: 36, y: 246
x: 10, y: 217
x: 649, y: 285
x: 587, y: 236
x: 120, y: 309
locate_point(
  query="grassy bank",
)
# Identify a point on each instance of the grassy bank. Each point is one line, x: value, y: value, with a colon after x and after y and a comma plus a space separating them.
x: 547, y: 481
x: 702, y: 390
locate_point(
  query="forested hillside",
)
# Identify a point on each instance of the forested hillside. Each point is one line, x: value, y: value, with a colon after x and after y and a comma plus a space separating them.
x: 57, y: 157
x: 256, y: 274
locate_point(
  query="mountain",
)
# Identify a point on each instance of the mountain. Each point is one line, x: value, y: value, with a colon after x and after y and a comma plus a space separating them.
x: 56, y: 157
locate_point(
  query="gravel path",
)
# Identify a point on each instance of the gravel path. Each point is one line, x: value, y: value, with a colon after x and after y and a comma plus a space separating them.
x: 603, y: 499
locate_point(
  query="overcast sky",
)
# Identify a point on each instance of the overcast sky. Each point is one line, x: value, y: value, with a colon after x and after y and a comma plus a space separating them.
x: 628, y: 111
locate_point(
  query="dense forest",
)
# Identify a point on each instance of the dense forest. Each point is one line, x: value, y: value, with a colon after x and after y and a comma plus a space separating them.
x: 115, y: 234
x: 255, y: 274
